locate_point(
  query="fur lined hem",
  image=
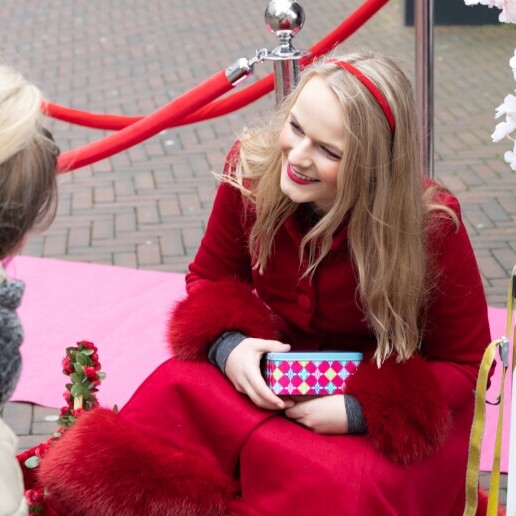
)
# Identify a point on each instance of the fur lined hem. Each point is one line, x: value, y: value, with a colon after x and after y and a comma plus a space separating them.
x: 104, y: 466
x: 407, y: 416
x: 213, y: 308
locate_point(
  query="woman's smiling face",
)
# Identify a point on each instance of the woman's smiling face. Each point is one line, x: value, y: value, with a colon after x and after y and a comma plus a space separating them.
x: 311, y: 142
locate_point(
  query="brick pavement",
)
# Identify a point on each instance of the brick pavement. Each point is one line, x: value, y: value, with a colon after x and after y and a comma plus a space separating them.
x: 147, y: 207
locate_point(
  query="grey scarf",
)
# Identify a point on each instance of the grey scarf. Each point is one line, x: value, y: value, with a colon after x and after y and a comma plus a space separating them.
x: 11, y: 336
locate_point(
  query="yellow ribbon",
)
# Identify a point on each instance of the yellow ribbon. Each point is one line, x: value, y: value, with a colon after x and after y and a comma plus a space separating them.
x: 477, y: 429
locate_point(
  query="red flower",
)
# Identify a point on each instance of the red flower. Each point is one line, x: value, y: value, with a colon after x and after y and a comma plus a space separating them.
x: 35, y: 496
x: 95, y: 357
x: 77, y: 412
x: 67, y: 365
x: 91, y: 373
x: 88, y: 345
x: 42, y: 448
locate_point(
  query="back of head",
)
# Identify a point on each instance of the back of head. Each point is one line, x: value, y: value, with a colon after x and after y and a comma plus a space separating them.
x: 27, y: 162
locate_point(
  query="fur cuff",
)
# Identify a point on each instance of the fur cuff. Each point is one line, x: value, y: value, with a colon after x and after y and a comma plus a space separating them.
x: 407, y: 416
x: 104, y: 466
x: 210, y: 310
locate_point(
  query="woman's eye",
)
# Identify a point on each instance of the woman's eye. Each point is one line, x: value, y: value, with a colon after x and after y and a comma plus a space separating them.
x: 295, y: 127
x: 330, y: 153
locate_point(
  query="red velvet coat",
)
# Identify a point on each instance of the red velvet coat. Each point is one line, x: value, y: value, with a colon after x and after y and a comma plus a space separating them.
x: 413, y: 458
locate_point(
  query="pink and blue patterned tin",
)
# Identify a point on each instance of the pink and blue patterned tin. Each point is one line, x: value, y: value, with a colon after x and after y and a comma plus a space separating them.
x: 309, y: 373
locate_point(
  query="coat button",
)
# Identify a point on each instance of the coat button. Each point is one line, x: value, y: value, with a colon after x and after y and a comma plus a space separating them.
x: 304, y: 302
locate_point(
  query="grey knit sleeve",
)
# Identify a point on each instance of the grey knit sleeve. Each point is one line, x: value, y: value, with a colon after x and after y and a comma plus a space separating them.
x: 223, y: 346
x: 356, y: 421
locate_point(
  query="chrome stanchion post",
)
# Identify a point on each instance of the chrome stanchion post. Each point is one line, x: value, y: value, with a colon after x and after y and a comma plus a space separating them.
x: 285, y: 18
x: 424, y: 42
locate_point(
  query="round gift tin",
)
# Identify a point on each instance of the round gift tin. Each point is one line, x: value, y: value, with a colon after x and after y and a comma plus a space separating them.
x: 309, y: 373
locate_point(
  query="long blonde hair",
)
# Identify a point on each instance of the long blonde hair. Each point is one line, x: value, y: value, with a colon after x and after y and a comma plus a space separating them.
x: 28, y: 191
x: 380, y: 187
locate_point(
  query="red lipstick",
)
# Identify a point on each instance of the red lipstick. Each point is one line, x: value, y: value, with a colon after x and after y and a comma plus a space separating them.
x: 297, y: 179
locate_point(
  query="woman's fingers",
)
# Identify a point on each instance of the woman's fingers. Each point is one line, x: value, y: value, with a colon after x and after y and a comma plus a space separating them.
x: 264, y: 397
x: 243, y: 369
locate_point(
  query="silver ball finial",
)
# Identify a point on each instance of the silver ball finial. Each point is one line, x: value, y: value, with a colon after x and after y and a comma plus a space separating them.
x: 284, y: 16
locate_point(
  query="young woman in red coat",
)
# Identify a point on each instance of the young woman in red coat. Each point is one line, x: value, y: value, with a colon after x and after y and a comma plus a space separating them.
x: 325, y: 234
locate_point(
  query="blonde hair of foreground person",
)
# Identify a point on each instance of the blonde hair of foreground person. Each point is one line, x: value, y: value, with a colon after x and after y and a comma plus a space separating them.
x: 380, y: 185
x: 28, y: 157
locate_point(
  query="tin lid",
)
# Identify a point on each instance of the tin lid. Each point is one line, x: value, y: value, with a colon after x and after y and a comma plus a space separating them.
x: 317, y: 355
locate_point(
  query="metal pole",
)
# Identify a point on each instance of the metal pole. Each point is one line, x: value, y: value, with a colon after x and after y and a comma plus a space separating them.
x: 285, y: 18
x: 424, y: 27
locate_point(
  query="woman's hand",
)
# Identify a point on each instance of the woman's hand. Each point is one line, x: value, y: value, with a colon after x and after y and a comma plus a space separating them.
x: 243, y: 370
x: 322, y: 414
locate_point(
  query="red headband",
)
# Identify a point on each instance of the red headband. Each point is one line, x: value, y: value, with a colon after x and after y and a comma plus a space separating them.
x: 377, y: 94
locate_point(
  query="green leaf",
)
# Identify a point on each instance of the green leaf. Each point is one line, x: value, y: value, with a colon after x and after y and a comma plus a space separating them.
x: 82, y: 391
x: 82, y: 359
x: 32, y: 462
x: 76, y: 390
x: 70, y: 353
x: 75, y: 378
x: 78, y: 369
x: 69, y: 385
x: 87, y: 352
x: 101, y: 375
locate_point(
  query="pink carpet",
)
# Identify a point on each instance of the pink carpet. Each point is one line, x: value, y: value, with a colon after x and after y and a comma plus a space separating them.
x: 124, y: 312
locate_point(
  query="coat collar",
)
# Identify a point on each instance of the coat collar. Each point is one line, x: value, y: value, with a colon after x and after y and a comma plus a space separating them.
x: 304, y: 218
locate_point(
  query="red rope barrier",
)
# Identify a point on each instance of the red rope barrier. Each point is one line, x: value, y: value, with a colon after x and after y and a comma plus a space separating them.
x: 229, y: 104
x: 146, y: 127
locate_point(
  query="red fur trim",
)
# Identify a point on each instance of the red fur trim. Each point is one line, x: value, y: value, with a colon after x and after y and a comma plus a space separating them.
x: 104, y: 466
x: 406, y: 413
x: 213, y: 308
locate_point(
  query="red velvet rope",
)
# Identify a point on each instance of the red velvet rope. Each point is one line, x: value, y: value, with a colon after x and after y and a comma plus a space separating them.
x: 232, y: 103
x: 193, y: 106
x: 146, y: 127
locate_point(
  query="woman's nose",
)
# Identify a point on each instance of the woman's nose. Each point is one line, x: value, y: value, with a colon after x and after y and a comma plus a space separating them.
x: 300, y: 153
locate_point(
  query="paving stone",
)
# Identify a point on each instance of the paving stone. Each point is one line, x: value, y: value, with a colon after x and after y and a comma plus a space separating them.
x: 125, y: 221
x: 19, y: 417
x: 125, y: 260
x: 28, y: 441
x: 172, y: 243
x: 79, y: 237
x: 102, y: 229
x: 54, y: 245
x: 148, y: 254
